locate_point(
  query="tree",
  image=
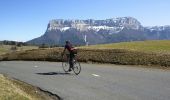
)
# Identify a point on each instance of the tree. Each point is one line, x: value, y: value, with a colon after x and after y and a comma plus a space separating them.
x: 19, y: 44
x: 43, y: 46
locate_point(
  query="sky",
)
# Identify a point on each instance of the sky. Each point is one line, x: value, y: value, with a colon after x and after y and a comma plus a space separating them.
x: 23, y: 20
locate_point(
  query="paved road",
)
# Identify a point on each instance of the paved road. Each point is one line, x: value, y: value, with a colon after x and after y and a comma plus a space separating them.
x: 95, y: 82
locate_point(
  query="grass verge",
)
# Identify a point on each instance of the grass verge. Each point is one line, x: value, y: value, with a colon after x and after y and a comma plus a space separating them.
x: 11, y: 89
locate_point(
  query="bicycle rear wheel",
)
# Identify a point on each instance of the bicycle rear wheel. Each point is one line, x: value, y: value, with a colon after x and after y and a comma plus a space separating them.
x: 65, y: 66
x: 77, y: 68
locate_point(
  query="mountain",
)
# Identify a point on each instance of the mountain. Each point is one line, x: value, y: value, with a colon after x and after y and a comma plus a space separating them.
x: 99, y: 31
x: 158, y: 32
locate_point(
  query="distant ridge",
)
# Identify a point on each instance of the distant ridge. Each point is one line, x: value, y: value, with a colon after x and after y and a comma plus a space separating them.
x: 111, y: 30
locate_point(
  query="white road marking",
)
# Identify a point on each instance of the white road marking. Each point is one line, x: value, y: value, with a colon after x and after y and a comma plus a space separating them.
x: 96, y: 75
x: 35, y: 66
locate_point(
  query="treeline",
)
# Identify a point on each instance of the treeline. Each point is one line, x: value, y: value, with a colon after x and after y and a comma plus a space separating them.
x: 47, y: 46
x: 6, y: 42
x: 53, y: 45
x: 19, y: 44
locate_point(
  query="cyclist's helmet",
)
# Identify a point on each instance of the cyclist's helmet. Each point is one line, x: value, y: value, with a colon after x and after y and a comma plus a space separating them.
x: 67, y: 42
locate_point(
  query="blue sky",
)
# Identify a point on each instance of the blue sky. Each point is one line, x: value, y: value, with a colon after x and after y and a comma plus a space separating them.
x: 23, y: 20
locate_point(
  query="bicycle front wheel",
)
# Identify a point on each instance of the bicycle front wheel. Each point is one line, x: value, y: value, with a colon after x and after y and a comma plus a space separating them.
x: 77, y: 68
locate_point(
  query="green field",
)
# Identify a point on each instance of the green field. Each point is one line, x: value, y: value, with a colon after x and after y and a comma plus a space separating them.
x: 161, y: 46
x: 7, y: 48
x: 4, y: 49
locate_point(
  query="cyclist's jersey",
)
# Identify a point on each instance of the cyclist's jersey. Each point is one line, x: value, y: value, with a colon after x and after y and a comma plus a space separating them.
x: 69, y: 47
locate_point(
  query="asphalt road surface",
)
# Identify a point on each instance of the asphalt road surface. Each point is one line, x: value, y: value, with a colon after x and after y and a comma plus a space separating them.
x: 95, y: 82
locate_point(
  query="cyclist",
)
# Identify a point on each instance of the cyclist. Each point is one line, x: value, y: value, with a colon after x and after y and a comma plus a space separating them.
x: 72, y: 51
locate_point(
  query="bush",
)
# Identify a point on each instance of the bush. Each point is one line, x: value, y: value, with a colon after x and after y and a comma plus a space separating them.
x: 43, y: 46
x: 113, y: 56
x: 13, y: 48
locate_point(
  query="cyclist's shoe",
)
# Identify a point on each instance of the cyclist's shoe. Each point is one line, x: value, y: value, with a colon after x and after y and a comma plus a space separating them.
x: 69, y: 70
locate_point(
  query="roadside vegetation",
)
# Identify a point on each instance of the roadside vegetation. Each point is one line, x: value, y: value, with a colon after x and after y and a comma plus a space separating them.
x: 15, y: 90
x: 11, y: 89
x: 8, y: 91
x: 152, y: 53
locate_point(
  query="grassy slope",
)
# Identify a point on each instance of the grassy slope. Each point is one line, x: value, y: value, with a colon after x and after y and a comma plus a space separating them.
x: 8, y: 91
x: 11, y: 89
x: 145, y: 46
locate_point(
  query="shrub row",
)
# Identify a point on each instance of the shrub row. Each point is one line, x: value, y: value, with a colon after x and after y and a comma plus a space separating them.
x: 113, y: 56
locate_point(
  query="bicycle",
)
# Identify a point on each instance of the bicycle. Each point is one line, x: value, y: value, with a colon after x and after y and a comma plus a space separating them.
x: 76, y: 65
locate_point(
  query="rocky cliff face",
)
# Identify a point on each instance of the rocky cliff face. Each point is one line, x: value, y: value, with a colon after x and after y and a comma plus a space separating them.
x: 99, y: 31
x: 114, y: 25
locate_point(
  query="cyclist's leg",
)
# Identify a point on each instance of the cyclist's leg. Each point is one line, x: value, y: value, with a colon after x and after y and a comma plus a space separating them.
x: 71, y: 59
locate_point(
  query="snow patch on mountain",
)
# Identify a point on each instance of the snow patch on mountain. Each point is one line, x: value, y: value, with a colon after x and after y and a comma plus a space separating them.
x: 64, y: 29
x: 158, y: 28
